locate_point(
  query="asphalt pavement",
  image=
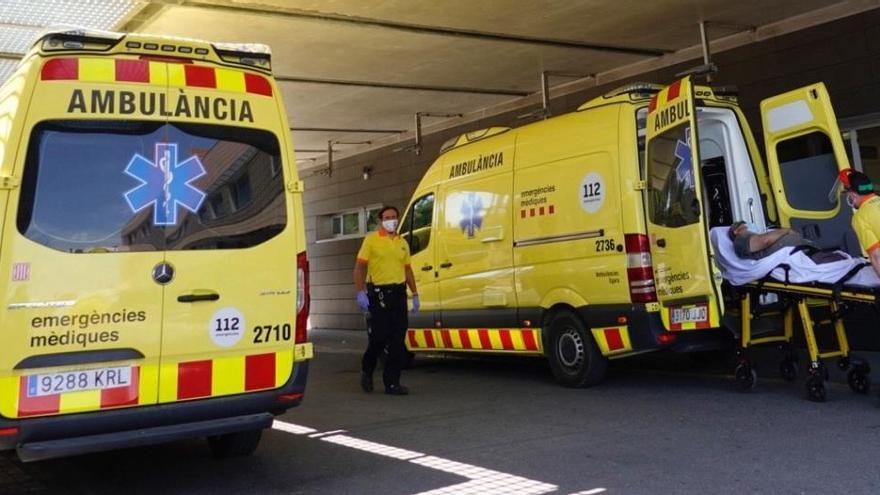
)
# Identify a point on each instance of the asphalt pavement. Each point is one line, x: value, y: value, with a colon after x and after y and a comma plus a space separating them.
x: 660, y: 423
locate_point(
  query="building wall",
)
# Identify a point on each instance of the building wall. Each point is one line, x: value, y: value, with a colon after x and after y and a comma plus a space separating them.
x: 845, y: 54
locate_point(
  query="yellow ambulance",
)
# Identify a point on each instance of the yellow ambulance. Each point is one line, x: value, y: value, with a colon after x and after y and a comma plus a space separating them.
x: 560, y: 238
x: 153, y: 263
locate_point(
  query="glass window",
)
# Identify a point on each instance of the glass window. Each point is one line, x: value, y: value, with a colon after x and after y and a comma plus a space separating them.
x: 416, y: 227
x: 351, y: 223
x: 809, y: 171
x: 641, y: 125
x: 673, y: 200
x: 337, y: 225
x: 373, y: 218
x: 139, y: 186
x: 242, y: 192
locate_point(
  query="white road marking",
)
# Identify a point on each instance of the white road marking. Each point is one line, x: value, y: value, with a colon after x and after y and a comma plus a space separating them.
x: 326, y: 433
x: 481, y: 481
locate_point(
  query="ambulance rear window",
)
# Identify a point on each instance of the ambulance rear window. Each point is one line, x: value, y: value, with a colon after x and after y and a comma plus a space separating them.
x: 107, y: 186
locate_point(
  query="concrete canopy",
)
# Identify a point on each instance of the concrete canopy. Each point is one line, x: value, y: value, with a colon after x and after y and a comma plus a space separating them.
x: 397, y: 42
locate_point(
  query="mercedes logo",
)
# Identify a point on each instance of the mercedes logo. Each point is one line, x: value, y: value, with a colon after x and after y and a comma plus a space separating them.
x: 163, y: 273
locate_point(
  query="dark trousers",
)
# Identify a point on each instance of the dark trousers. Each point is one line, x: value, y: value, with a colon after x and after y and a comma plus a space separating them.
x: 387, y: 329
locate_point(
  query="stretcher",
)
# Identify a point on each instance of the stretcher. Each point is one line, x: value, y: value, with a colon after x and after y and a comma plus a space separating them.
x: 777, y: 295
x: 834, y: 301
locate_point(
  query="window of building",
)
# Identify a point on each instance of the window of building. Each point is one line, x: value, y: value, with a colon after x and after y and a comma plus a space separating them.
x: 350, y: 223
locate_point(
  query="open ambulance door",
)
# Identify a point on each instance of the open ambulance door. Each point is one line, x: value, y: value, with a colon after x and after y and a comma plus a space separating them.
x: 687, y: 282
x: 805, y: 152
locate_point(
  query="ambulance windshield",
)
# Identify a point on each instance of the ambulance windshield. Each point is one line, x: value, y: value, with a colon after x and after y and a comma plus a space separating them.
x: 104, y: 186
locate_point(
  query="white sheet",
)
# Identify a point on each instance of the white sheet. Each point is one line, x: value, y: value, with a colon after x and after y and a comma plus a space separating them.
x: 740, y: 271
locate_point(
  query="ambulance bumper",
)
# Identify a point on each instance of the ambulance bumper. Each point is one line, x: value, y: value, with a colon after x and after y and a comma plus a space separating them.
x: 646, y: 330
x: 57, y: 436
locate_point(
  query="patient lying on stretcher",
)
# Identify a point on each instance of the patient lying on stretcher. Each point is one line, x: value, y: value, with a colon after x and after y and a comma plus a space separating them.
x: 744, y: 256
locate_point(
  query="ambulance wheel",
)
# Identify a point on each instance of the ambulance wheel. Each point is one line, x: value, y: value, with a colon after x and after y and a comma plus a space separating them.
x: 746, y: 377
x: 788, y: 370
x: 859, y: 381
x: 574, y: 358
x: 816, y: 388
x: 239, y: 444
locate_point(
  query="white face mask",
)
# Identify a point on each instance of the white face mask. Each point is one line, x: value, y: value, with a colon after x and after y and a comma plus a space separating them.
x: 390, y: 226
x: 850, y: 202
x: 753, y: 227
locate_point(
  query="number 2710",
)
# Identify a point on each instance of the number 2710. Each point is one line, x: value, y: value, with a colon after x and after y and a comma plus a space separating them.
x: 268, y: 333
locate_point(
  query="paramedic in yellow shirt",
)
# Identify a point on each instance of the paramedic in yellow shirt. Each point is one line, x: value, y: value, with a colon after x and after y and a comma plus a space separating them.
x: 381, y: 274
x: 866, y: 219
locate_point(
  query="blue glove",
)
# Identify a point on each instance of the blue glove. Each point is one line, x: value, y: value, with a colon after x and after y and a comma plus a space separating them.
x: 363, y: 301
x: 416, y: 303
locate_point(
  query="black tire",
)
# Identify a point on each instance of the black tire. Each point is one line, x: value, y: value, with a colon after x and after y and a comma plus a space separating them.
x: 816, y: 388
x: 239, y: 444
x: 746, y: 377
x: 573, y: 355
x: 859, y: 381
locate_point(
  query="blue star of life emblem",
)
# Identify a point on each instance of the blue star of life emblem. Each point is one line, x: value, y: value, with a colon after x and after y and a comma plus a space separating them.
x: 165, y: 184
x: 684, y: 170
x: 471, y: 214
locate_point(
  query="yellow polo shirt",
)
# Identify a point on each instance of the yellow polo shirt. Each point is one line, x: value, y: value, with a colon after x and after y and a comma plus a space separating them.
x: 386, y: 256
x: 866, y: 223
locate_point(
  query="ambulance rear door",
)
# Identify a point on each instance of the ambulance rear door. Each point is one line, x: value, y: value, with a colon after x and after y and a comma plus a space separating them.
x: 82, y: 314
x: 805, y: 152
x: 687, y: 285
x: 231, y: 237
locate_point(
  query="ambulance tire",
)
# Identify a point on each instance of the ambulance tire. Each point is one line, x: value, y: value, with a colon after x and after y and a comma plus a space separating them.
x: 574, y: 357
x: 238, y: 444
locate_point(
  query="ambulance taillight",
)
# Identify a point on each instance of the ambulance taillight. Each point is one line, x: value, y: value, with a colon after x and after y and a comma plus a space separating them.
x: 639, y: 269
x: 302, y: 297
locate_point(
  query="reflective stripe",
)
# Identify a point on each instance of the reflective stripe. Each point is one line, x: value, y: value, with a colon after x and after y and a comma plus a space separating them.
x: 154, y: 72
x: 525, y: 340
x: 612, y: 340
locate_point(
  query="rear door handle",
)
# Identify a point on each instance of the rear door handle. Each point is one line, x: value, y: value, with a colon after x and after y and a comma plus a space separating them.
x: 446, y: 265
x: 198, y: 295
x: 427, y: 268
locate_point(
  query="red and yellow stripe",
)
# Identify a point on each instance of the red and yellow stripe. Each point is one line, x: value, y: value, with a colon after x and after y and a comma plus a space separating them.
x: 612, y: 340
x: 524, y: 340
x: 666, y: 96
x: 224, y: 376
x: 179, y: 381
x: 155, y: 72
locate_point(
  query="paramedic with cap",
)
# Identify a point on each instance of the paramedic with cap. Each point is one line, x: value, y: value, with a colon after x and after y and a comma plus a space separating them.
x: 384, y: 260
x: 866, y: 219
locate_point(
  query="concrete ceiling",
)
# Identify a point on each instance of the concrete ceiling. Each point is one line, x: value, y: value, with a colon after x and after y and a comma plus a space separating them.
x: 397, y: 42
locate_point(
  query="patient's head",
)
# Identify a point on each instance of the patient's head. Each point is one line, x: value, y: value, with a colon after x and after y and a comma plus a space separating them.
x: 736, y: 229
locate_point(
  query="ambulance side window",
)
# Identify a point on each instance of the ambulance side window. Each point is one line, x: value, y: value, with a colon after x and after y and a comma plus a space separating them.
x: 641, y: 125
x: 808, y: 170
x: 417, y: 224
x: 672, y: 198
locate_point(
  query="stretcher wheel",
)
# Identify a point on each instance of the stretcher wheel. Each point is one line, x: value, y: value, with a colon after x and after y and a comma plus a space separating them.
x: 816, y: 388
x: 746, y: 377
x: 858, y: 380
x: 788, y: 370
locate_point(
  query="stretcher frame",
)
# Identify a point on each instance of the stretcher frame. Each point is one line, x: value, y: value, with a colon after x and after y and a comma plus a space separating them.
x: 837, y: 297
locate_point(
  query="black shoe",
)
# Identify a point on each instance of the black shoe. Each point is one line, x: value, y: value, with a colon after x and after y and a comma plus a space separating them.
x: 396, y: 390
x: 366, y: 382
